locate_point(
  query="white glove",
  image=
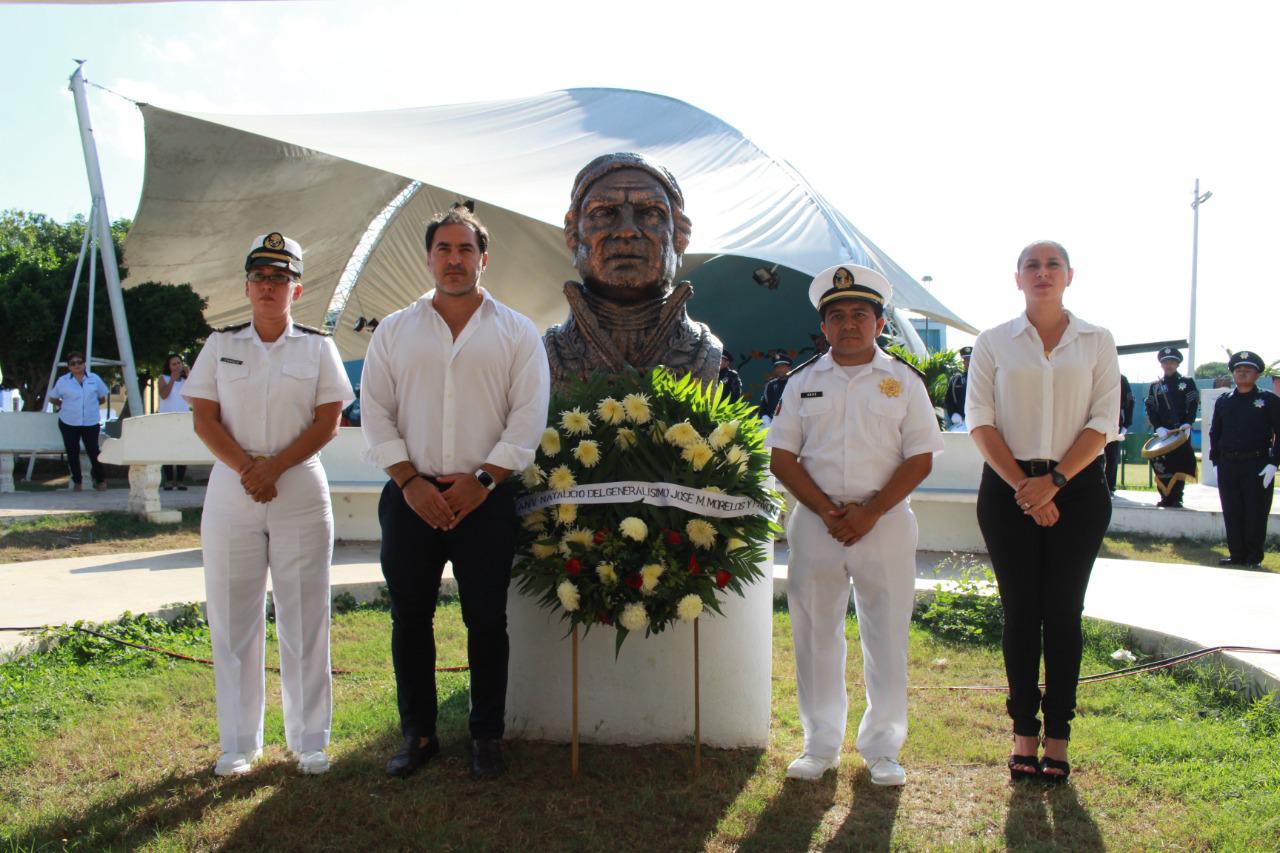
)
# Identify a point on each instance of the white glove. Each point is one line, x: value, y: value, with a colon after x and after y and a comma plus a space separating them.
x: 1268, y: 473
x: 1123, y: 432
x: 1162, y: 432
x: 1185, y: 427
x: 956, y: 419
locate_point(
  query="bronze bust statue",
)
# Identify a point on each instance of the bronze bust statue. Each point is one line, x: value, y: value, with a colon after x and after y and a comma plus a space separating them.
x: 627, y: 230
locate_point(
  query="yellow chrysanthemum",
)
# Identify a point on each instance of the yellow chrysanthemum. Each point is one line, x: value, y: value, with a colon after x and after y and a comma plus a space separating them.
x: 633, y: 528
x: 561, y: 478
x: 611, y: 411
x: 700, y: 532
x: 607, y: 573
x: 626, y: 438
x: 720, y: 436
x: 576, y: 536
x: 566, y: 513
x: 697, y: 455
x: 575, y: 422
x: 689, y: 608
x: 649, y: 575
x: 587, y: 452
x: 682, y: 434
x: 716, y: 489
x: 535, y: 520
x: 532, y: 477
x: 550, y: 442
x: 634, y: 617
x: 733, y: 545
x: 568, y: 594
x: 541, y: 549
x: 736, y: 455
x: 637, y: 407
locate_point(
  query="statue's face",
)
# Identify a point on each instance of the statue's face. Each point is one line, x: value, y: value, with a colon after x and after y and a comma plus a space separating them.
x: 625, y: 237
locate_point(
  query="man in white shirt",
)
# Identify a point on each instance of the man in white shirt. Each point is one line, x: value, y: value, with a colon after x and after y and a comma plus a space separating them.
x: 77, y: 397
x: 453, y: 399
x: 854, y: 434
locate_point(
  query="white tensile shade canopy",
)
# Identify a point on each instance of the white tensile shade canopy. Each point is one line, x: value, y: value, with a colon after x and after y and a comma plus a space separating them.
x: 213, y: 182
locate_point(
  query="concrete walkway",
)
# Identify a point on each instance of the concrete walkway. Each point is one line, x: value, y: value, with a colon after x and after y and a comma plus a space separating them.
x: 21, y: 505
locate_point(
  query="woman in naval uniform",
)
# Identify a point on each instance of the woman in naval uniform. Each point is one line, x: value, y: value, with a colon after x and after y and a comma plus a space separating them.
x: 266, y: 396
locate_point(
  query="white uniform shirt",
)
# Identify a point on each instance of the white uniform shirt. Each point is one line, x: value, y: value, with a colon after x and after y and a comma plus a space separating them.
x: 1040, y: 405
x: 174, y: 402
x: 268, y: 393
x: 80, y: 405
x: 449, y: 406
x: 852, y: 427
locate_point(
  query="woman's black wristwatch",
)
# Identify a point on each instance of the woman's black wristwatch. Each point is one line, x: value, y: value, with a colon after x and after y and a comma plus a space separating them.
x: 1058, y: 478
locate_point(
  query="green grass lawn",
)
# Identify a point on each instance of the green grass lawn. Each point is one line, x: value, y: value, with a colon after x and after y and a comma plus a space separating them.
x: 89, y: 533
x: 104, y: 748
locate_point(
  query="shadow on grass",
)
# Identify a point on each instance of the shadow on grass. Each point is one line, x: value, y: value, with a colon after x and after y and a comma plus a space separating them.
x: 789, y: 821
x: 869, y: 825
x: 1041, y: 815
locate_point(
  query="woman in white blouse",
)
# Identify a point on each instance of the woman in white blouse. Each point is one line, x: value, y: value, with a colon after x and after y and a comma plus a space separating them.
x: 1043, y: 402
x: 171, y: 382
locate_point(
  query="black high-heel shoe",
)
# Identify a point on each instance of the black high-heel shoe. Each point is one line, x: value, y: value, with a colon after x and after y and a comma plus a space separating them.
x: 1047, y: 763
x: 1018, y: 775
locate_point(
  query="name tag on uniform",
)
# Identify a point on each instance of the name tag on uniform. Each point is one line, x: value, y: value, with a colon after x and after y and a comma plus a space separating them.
x: 806, y: 395
x: 226, y: 360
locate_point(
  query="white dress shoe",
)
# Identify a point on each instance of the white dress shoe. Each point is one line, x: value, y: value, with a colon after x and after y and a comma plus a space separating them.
x: 811, y: 767
x: 236, y: 763
x: 313, y: 763
x: 886, y: 771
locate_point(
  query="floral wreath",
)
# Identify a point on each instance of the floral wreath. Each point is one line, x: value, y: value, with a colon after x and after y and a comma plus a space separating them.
x: 647, y: 498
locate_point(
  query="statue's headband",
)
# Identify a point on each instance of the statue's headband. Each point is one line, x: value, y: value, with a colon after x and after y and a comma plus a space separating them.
x: 603, y: 165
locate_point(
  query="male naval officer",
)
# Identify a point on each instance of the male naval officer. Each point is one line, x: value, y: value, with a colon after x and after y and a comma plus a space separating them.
x: 453, y: 400
x: 776, y: 382
x: 1172, y: 403
x: 854, y: 434
x: 957, y: 388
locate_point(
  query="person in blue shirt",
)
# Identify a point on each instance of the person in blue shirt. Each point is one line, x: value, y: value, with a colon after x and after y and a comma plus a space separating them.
x: 76, y: 397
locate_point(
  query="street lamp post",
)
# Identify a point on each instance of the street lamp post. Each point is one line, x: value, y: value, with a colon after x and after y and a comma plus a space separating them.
x: 1195, y: 256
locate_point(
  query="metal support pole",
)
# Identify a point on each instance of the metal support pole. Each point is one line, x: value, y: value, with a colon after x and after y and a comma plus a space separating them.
x: 93, y: 292
x: 1195, y: 252
x: 111, y: 267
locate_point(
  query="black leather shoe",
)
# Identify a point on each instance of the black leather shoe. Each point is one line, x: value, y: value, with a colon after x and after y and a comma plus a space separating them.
x: 412, y: 756
x: 1228, y: 561
x: 486, y: 758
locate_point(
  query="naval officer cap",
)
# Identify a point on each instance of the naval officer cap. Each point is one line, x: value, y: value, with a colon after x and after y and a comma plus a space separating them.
x: 1244, y: 358
x: 850, y: 281
x: 966, y: 352
x: 275, y: 250
x: 1170, y: 354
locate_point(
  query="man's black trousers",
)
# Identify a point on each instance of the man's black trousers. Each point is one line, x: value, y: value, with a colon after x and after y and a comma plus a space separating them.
x: 413, y: 557
x: 1245, y: 507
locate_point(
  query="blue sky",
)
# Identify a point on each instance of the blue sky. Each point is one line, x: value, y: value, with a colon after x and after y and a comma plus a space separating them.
x: 952, y: 134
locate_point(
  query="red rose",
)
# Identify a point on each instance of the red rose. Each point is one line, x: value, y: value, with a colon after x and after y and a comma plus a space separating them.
x: 573, y: 566
x: 604, y: 618
x: 598, y: 538
x: 722, y: 578
x: 671, y: 537
x: 634, y: 580
x: 693, y: 564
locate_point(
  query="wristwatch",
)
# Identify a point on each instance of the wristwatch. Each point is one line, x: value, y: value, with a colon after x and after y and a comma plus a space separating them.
x: 1058, y: 479
x: 486, y: 479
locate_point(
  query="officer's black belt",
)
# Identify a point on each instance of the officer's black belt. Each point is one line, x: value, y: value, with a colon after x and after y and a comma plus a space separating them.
x: 1036, y: 467
x: 1243, y: 454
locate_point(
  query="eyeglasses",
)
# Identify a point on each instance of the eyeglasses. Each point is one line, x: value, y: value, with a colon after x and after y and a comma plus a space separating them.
x: 274, y: 278
x: 74, y: 363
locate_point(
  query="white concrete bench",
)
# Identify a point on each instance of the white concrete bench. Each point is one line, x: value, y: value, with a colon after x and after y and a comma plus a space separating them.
x: 26, y: 432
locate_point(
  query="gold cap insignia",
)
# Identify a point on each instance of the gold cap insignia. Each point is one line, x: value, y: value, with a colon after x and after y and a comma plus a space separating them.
x: 890, y: 387
x: 841, y: 279
x: 273, y: 241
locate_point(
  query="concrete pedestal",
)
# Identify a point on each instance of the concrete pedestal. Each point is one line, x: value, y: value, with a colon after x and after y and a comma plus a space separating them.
x: 646, y: 695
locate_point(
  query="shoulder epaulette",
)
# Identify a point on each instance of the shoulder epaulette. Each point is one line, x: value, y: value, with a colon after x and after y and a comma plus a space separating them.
x: 917, y: 371
x: 802, y: 365
x: 235, y: 327
x: 311, y: 330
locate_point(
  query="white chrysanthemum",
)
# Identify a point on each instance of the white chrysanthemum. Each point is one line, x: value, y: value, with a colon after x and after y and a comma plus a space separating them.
x: 697, y: 455
x: 736, y: 455
x: 541, y: 549
x: 533, y: 476
x: 701, y: 533
x: 607, y: 573
x: 716, y: 489
x: 561, y: 478
x: 576, y: 535
x: 611, y: 411
x: 682, y: 434
x: 634, y: 617
x: 550, y: 443
x: 689, y: 608
x: 535, y: 520
x: 568, y: 594
x: 575, y: 422
x: 637, y: 407
x: 566, y: 513
x: 587, y: 452
x: 733, y: 545
x: 633, y: 528
x: 721, y: 435
x: 626, y: 438
x: 649, y: 575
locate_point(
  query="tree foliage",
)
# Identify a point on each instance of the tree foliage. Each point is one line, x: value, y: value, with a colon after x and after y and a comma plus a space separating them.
x: 37, y: 262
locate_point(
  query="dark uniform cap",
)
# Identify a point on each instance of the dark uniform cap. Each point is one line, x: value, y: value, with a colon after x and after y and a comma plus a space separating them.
x: 1170, y: 354
x: 850, y: 281
x: 275, y: 250
x: 1244, y: 357
x: 966, y: 352
x: 782, y: 359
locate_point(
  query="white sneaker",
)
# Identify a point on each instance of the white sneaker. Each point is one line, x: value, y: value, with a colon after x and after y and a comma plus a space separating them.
x: 236, y: 763
x: 313, y: 763
x: 811, y: 767
x: 886, y: 771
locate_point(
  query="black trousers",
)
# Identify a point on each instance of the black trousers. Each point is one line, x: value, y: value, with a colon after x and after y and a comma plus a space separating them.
x: 72, y: 436
x: 1245, y: 507
x: 1112, y: 454
x: 481, y: 549
x: 1042, y: 573
x: 168, y: 475
x: 1181, y: 461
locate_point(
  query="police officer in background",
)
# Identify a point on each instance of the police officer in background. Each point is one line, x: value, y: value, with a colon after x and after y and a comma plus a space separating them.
x: 953, y: 402
x: 1173, y: 402
x: 1244, y: 442
x: 265, y: 397
x: 773, y: 389
x: 729, y: 377
x: 1112, y: 451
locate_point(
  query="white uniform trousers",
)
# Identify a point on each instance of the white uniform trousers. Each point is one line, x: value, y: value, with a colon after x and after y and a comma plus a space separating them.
x: 882, y: 568
x: 293, y: 535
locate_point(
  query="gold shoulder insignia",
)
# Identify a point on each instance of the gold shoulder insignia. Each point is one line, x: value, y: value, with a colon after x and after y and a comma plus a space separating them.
x: 311, y: 330
x: 235, y: 327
